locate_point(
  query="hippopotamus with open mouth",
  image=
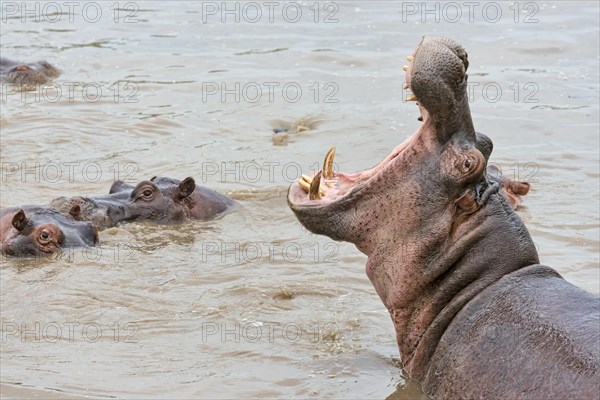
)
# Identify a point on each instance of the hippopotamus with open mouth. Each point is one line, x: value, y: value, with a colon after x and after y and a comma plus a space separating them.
x: 476, y: 316
x: 24, y: 74
x: 41, y: 231
x: 168, y: 201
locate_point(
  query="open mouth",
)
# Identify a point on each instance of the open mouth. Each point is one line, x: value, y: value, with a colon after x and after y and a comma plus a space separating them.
x: 328, y: 186
x: 437, y: 70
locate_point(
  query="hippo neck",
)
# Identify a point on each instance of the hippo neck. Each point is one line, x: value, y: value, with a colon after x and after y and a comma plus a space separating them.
x: 424, y: 287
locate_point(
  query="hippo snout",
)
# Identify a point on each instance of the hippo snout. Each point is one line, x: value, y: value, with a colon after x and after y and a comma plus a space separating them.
x: 9, y: 250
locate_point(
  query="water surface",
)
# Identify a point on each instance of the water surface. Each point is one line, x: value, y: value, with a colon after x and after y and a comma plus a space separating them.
x: 252, y: 305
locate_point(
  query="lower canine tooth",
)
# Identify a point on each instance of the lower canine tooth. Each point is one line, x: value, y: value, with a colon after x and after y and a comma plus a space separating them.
x: 328, y: 164
x: 405, y: 68
x: 412, y: 97
x: 314, y: 193
x: 304, y: 185
x: 307, y: 179
x: 410, y: 58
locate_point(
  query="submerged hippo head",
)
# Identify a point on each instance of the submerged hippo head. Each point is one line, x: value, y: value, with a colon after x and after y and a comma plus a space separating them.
x: 40, y: 231
x: 102, y: 211
x: 167, y: 200
x: 427, y: 215
x: 23, y: 74
x: 161, y: 200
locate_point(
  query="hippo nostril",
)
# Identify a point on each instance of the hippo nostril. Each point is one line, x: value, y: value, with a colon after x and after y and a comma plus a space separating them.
x: 9, y: 250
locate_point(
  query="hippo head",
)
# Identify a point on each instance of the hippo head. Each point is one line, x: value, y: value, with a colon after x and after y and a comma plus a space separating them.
x: 163, y: 200
x: 43, y: 231
x: 102, y: 211
x: 434, y: 179
x: 29, y: 239
x: 32, y: 74
x: 427, y: 216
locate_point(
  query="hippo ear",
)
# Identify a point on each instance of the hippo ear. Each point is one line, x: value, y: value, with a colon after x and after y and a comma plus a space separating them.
x: 19, y: 220
x: 520, y: 188
x: 494, y: 172
x: 484, y: 144
x: 115, y: 187
x: 187, y: 187
x: 119, y: 186
x: 75, y: 212
x: 512, y: 191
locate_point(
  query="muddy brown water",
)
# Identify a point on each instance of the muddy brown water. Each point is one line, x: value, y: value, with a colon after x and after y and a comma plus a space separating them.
x: 252, y: 305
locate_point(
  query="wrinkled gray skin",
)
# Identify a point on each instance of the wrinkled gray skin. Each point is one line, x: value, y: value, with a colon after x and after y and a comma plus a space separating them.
x: 31, y: 231
x: 26, y: 74
x: 475, y: 315
x: 102, y: 211
x: 169, y: 201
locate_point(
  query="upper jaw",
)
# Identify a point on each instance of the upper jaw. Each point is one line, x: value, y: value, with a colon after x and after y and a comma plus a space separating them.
x: 438, y: 79
x: 437, y: 64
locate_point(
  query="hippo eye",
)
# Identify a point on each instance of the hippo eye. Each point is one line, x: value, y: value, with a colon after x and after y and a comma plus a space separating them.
x: 145, y: 193
x: 467, y: 165
x: 45, y: 236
